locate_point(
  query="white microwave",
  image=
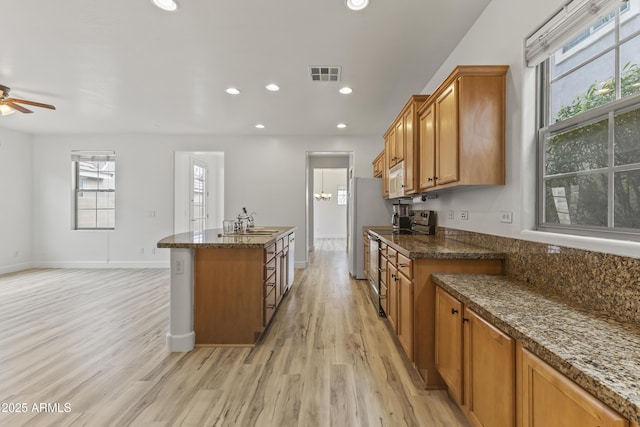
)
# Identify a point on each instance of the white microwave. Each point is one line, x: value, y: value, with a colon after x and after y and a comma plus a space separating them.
x: 396, y: 181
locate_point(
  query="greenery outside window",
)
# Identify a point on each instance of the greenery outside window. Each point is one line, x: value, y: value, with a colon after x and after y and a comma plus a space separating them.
x: 589, y: 130
x: 94, y: 190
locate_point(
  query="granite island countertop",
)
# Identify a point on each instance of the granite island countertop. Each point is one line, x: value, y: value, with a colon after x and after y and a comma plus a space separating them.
x: 432, y: 246
x: 215, y: 238
x: 600, y: 354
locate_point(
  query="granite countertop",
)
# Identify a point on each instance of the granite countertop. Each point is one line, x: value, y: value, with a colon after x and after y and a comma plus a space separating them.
x: 600, y: 354
x: 214, y: 238
x: 430, y: 246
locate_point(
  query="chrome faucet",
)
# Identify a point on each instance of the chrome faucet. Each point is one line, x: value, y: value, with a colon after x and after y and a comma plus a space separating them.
x: 245, y: 220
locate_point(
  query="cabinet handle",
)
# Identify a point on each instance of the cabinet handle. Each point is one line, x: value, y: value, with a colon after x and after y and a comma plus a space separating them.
x: 465, y: 319
x: 271, y: 306
x: 403, y: 265
x: 454, y: 311
x: 271, y: 268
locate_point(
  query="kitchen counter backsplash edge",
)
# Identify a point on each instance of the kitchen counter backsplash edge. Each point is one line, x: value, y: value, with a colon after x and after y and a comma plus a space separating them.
x: 589, y: 279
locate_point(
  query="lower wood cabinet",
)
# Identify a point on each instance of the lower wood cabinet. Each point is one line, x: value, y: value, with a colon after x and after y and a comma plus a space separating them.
x: 448, y: 346
x: 550, y: 399
x: 497, y: 382
x: 476, y: 361
x: 237, y: 291
x: 489, y: 373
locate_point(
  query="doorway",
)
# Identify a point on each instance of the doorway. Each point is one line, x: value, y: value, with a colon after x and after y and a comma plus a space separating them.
x: 330, y: 206
x: 198, y: 191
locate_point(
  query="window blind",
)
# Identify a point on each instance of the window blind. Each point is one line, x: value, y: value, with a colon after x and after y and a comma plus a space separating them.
x: 93, y: 156
x: 568, y: 22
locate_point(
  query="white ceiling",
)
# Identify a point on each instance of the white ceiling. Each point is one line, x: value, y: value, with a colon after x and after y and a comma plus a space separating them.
x: 126, y: 66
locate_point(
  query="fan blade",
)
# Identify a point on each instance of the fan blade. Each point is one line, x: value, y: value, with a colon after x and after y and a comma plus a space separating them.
x: 35, y: 104
x: 15, y: 106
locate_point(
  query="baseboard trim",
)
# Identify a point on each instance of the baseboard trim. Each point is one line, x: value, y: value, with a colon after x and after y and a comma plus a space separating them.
x: 101, y: 264
x: 13, y: 268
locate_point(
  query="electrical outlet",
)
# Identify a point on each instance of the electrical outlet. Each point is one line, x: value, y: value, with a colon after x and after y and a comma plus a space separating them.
x: 178, y: 266
x: 141, y: 251
x: 153, y: 251
x: 464, y: 215
x: 450, y: 215
x: 506, y: 217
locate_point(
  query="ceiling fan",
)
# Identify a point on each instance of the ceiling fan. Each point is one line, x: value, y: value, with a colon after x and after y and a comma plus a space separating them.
x: 11, y: 105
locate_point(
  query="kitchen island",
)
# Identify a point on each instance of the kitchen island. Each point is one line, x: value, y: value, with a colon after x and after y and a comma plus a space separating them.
x: 225, y: 288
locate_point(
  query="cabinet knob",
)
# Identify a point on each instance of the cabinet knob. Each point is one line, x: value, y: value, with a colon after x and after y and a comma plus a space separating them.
x: 435, y: 177
x: 429, y: 179
x: 465, y: 319
x: 454, y: 311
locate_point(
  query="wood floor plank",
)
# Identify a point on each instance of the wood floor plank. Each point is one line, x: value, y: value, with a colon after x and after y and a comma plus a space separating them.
x: 95, y: 339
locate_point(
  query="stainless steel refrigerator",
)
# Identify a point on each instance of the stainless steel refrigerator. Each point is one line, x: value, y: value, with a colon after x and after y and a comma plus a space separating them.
x: 366, y: 208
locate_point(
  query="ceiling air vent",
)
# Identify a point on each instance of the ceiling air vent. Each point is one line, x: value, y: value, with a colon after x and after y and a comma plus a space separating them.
x: 324, y: 73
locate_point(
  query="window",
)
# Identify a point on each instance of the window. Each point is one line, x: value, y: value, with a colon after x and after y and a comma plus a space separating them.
x: 94, y: 190
x: 342, y: 194
x: 589, y: 127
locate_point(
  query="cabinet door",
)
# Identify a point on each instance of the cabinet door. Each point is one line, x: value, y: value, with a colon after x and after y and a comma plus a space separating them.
x: 390, y: 148
x: 448, y: 342
x: 447, y: 150
x: 291, y: 260
x: 427, y: 168
x: 384, y: 280
x: 489, y: 373
x: 409, y: 152
x: 549, y: 399
x: 405, y: 314
x: 392, y: 296
x: 400, y: 141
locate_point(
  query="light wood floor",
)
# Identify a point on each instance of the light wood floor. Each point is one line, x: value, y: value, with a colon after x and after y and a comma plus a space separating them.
x: 95, y: 340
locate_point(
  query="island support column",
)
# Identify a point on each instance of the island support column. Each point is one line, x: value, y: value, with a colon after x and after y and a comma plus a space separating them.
x: 181, y: 337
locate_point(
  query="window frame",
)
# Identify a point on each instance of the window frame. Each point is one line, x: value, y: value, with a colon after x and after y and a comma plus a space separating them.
x: 604, y: 112
x: 77, y: 158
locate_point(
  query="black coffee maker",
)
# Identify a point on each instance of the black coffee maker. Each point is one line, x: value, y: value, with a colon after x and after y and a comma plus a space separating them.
x: 400, y: 220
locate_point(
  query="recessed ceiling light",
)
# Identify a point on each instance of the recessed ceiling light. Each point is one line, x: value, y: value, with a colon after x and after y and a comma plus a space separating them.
x: 168, y: 5
x: 346, y: 90
x: 233, y: 91
x: 357, y: 4
x: 341, y: 126
x: 260, y: 126
x: 273, y: 87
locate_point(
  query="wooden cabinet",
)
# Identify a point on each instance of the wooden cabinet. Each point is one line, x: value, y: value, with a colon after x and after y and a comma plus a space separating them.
x: 392, y: 295
x: 462, y: 130
x: 550, y: 399
x: 477, y: 362
x: 448, y: 342
x: 405, y: 313
x: 390, y: 147
x: 489, y: 373
x: 291, y: 260
x: 378, y: 165
x: 237, y: 290
x: 366, y: 240
x: 424, y: 302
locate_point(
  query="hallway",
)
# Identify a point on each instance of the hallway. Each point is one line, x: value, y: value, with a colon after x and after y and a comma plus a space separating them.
x: 94, y: 339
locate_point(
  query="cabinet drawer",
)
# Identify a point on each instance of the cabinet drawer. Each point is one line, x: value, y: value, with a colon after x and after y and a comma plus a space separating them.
x: 392, y: 255
x: 269, y: 267
x: 269, y: 306
x: 269, y: 252
x: 383, y: 249
x: 280, y: 245
x: 404, y: 266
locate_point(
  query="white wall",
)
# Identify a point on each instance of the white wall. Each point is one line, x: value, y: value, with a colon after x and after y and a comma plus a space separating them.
x: 16, y: 207
x: 330, y: 219
x: 497, y: 37
x: 265, y: 174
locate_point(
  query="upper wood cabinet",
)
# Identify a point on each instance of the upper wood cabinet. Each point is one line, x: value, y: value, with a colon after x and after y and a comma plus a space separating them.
x: 401, y: 143
x: 378, y: 165
x: 462, y: 130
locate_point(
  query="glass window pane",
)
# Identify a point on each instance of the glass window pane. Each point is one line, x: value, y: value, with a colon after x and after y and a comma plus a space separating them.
x: 86, y: 219
x: 629, y: 68
x: 86, y: 200
x: 627, y: 138
x: 581, y: 149
x: 587, y: 87
x: 105, y: 200
x: 627, y: 199
x: 629, y: 21
x: 105, y: 218
x: 577, y: 200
